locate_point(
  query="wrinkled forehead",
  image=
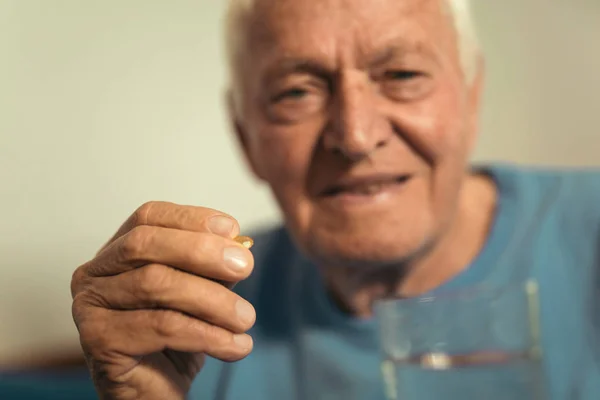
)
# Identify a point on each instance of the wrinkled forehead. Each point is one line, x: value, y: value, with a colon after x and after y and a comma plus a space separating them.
x: 345, y: 28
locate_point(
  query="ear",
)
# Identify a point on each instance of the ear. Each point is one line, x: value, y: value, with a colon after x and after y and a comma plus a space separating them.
x: 242, y: 135
x: 475, y: 95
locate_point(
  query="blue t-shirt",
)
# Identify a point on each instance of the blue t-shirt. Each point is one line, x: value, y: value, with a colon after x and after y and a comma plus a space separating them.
x: 546, y: 227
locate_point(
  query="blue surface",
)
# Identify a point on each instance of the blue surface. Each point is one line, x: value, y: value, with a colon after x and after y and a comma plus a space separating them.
x: 72, y: 385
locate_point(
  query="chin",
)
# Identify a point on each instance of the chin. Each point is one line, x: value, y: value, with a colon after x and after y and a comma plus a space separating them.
x: 380, y: 232
x: 370, y: 243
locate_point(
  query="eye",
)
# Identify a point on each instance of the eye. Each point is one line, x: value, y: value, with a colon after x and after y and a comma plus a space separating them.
x: 291, y: 94
x: 406, y: 85
x: 402, y: 75
x: 295, y: 102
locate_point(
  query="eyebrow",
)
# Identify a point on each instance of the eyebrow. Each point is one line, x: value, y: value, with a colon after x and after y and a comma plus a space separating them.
x: 291, y: 65
x: 399, y: 50
x: 287, y: 66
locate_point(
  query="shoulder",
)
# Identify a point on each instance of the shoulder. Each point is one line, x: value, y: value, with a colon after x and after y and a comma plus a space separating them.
x: 571, y: 190
x: 564, y: 204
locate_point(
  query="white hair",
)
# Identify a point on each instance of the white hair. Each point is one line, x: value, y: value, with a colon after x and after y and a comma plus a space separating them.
x: 468, y: 42
x: 460, y: 10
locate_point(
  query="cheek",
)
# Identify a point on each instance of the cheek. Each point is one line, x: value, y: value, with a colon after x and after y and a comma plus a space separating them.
x: 434, y: 128
x: 283, y: 156
x: 452, y: 122
x: 437, y: 131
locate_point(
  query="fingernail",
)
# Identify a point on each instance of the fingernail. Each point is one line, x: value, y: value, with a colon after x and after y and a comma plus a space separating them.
x: 220, y: 225
x: 245, y: 311
x: 235, y: 257
x: 243, y: 341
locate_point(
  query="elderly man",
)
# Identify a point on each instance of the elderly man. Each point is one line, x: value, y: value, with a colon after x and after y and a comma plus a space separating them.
x: 360, y: 116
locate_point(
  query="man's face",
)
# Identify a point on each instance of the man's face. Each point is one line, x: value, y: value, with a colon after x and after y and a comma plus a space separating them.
x: 358, y: 116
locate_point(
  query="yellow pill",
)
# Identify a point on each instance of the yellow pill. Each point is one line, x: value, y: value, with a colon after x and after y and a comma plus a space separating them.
x: 245, y: 241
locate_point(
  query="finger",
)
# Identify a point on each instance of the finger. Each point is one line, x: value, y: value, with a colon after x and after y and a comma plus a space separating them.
x: 175, y: 216
x: 159, y: 286
x: 203, y: 254
x: 142, y: 332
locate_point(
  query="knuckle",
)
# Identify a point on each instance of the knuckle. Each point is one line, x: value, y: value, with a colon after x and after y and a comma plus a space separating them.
x: 215, y: 336
x: 215, y: 295
x: 78, y: 280
x: 151, y: 280
x: 140, y: 216
x: 83, y: 306
x: 200, y: 248
x: 88, y: 332
x: 97, y: 297
x: 135, y: 242
x: 169, y: 323
x: 93, y: 335
x: 78, y: 309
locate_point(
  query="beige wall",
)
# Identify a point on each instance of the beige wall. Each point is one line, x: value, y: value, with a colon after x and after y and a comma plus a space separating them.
x: 543, y: 91
x: 107, y: 104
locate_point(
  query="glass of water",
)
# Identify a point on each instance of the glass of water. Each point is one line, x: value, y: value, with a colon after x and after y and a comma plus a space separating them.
x: 475, y: 343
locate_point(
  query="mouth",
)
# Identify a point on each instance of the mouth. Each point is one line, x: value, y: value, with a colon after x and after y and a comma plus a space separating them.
x: 365, y: 186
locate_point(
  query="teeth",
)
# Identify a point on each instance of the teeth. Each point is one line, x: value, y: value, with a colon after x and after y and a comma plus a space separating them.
x: 366, y: 189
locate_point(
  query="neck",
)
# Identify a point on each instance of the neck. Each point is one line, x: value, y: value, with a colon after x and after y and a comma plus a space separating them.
x: 355, y: 291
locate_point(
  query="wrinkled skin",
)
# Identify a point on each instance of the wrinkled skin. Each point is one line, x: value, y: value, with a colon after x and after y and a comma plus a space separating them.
x: 330, y: 91
x: 336, y: 89
x: 156, y: 299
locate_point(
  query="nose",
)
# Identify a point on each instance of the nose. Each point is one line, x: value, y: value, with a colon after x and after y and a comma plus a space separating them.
x: 356, y: 129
